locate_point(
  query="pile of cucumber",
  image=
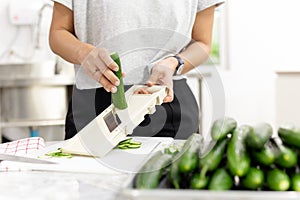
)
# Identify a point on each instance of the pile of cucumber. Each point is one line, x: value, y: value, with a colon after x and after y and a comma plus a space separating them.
x: 243, y: 158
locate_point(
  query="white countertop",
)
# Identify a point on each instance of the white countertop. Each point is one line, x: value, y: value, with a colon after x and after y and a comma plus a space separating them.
x: 57, y: 185
x: 63, y: 185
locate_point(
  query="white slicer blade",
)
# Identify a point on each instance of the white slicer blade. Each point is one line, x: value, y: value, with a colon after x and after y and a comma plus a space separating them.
x: 111, y: 126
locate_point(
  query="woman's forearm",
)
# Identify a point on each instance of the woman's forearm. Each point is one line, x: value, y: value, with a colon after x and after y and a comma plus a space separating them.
x: 198, y: 51
x: 66, y: 45
x: 62, y: 39
x: 194, y: 55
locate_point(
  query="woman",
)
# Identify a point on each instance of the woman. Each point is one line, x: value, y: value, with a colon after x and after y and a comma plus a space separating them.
x: 155, y: 39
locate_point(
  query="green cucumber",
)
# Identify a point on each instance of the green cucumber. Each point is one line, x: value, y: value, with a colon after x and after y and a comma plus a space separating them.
x: 188, y: 157
x: 118, y: 98
x: 185, y: 160
x: 296, y: 182
x: 254, y: 179
x: 129, y: 144
x: 135, y: 143
x: 222, y: 127
x: 126, y: 141
x: 150, y: 174
x: 259, y: 136
x: 220, y: 180
x: 237, y: 155
x: 265, y: 156
x: 286, y: 158
x: 290, y: 135
x: 198, y: 182
x: 174, y: 176
x: 278, y: 180
x: 212, y: 160
x: 134, y: 146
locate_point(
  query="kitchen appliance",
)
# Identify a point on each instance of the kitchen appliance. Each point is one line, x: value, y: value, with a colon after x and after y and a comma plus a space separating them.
x: 113, y: 125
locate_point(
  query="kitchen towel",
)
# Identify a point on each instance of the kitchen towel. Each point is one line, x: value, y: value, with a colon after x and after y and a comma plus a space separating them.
x: 20, y: 147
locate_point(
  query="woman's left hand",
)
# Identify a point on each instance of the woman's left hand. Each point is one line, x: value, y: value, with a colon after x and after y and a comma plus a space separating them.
x: 162, y: 74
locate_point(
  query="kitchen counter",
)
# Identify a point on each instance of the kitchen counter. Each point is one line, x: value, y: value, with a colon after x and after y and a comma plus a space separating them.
x: 44, y: 185
x: 58, y: 185
x: 74, y: 183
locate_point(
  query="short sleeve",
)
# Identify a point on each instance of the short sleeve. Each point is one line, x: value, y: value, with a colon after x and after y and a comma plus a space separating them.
x: 67, y: 3
x: 203, y: 4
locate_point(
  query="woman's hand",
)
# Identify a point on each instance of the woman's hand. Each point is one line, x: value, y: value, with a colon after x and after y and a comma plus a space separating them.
x: 162, y: 74
x: 100, y: 66
x: 95, y: 61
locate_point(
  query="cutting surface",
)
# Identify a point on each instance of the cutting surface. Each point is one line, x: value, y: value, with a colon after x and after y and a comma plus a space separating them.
x: 116, y: 162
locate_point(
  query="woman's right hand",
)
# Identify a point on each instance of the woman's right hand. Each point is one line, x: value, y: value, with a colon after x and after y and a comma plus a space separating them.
x: 100, y: 66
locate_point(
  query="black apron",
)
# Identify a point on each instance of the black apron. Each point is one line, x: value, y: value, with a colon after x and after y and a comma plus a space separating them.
x: 178, y: 119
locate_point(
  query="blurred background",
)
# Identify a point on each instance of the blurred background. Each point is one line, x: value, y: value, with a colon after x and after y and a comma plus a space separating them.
x: 255, y: 55
x: 35, y: 84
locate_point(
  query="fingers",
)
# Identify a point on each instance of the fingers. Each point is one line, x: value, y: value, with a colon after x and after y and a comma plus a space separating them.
x: 162, y: 75
x: 150, y: 83
x: 106, y: 84
x: 169, y: 98
x: 154, y: 79
x: 111, y: 77
x: 108, y: 61
x: 142, y: 91
x: 100, y: 66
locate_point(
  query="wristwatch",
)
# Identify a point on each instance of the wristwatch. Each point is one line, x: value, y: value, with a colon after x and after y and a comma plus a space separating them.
x: 179, y: 66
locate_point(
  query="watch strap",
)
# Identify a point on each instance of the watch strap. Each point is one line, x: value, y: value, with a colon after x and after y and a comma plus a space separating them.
x: 180, y: 64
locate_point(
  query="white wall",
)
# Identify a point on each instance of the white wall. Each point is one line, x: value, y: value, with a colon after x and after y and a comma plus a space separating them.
x: 23, y: 39
x: 262, y: 36
x: 24, y: 44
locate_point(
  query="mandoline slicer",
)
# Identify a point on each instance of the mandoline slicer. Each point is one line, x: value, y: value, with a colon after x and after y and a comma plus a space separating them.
x: 110, y: 127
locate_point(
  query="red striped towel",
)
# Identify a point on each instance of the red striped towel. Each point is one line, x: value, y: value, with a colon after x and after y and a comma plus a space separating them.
x: 21, y: 147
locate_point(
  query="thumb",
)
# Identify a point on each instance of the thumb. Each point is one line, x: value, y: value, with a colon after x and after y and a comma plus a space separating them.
x: 169, y: 97
x: 149, y: 83
x: 153, y: 79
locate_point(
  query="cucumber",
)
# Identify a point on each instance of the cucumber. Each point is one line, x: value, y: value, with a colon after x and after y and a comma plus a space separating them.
x: 286, y: 158
x: 188, y: 157
x: 118, y: 98
x: 212, y: 160
x: 220, y: 180
x: 126, y: 141
x: 152, y: 171
x: 265, y: 156
x: 174, y: 176
x: 198, y: 182
x: 259, y: 136
x: 222, y: 127
x: 237, y: 156
x: 254, y: 179
x: 278, y: 180
x: 186, y: 160
x: 290, y: 135
x: 296, y: 182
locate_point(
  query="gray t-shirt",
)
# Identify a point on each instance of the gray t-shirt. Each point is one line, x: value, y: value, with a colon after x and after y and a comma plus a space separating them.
x: 141, y: 31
